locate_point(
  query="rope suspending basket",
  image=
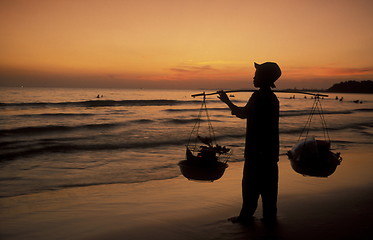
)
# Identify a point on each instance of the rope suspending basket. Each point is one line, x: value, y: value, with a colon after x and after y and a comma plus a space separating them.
x: 205, y: 159
x: 311, y: 157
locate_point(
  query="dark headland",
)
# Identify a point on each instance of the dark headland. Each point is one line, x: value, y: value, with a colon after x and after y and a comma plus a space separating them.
x: 352, y: 87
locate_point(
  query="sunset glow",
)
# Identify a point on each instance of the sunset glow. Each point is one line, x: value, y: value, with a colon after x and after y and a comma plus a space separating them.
x: 183, y: 44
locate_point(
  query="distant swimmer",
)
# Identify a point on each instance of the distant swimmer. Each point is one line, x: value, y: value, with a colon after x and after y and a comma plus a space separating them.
x: 341, y: 99
x: 98, y: 96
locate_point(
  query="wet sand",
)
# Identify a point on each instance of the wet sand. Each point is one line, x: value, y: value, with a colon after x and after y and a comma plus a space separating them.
x: 338, y: 207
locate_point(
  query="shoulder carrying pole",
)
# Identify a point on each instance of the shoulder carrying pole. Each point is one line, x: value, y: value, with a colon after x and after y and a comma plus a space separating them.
x: 249, y: 90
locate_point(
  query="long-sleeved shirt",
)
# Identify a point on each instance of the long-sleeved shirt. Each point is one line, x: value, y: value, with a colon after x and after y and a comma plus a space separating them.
x: 262, y: 130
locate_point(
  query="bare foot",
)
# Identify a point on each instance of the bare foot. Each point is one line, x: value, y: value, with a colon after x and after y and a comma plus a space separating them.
x: 242, y: 220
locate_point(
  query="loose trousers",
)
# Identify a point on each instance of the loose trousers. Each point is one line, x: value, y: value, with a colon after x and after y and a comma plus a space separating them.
x: 259, y: 179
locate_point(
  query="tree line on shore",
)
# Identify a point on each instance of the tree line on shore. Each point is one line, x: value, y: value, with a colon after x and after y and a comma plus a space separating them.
x: 352, y: 87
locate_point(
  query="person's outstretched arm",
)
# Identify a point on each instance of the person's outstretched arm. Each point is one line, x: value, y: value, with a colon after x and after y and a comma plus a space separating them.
x: 240, y: 112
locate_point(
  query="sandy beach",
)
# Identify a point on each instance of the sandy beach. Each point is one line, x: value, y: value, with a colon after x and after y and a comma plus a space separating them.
x: 100, y: 101
x: 338, y: 207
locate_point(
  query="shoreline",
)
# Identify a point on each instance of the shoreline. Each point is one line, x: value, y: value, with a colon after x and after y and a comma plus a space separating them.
x: 337, y: 207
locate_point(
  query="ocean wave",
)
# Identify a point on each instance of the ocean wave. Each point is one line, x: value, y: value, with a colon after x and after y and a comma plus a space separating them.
x: 101, y: 103
x: 48, y: 129
x: 288, y: 113
x: 296, y: 113
x: 364, y: 110
x: 37, y: 130
x: 37, y: 148
x: 141, y: 121
x: 15, y: 149
x: 188, y: 120
x: 139, y: 178
x: 56, y: 128
x: 194, y: 109
x: 57, y: 115
x: 356, y: 126
x: 181, y: 121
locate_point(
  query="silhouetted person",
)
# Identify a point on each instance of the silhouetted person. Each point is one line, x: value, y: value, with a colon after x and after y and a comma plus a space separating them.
x: 260, y: 173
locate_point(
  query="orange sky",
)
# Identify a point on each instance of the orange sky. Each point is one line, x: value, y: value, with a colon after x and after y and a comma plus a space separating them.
x: 183, y: 44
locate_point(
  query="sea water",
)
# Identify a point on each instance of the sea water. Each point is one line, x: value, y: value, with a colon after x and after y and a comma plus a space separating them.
x: 56, y: 138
